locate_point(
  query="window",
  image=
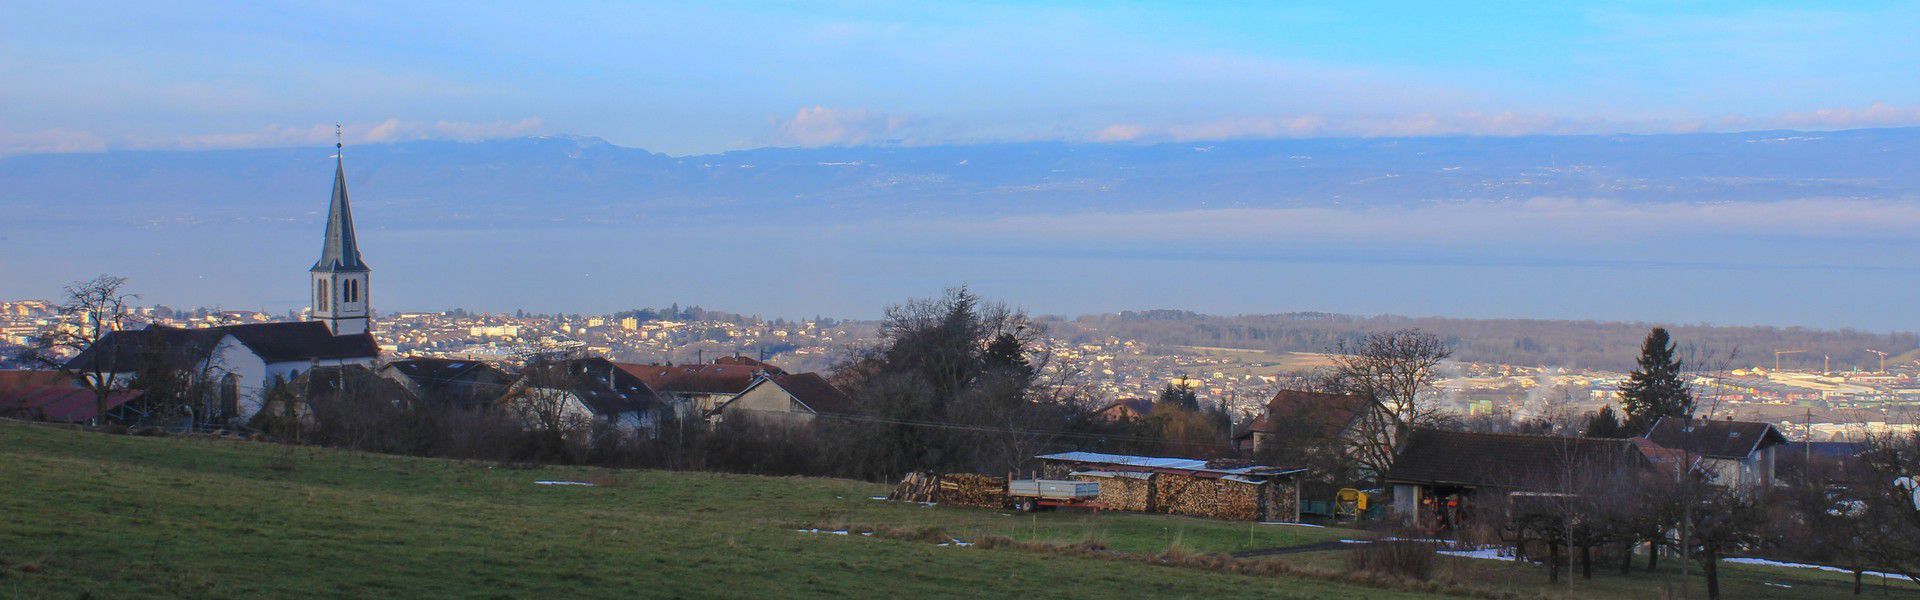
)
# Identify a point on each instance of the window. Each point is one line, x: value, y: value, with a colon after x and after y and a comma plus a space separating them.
x: 323, y: 293
x: 349, y: 291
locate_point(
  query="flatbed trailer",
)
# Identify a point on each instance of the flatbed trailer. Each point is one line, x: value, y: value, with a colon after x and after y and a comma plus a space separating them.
x: 1028, y: 495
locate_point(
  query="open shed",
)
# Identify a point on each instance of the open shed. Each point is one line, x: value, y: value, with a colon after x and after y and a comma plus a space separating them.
x: 1184, y: 486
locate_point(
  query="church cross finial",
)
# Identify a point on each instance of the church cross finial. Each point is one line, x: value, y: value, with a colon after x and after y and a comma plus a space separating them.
x: 336, y: 135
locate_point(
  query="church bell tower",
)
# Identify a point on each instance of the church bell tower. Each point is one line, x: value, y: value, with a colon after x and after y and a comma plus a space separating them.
x: 340, y: 297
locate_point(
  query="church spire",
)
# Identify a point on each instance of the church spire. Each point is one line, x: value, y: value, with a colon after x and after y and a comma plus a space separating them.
x: 340, y: 252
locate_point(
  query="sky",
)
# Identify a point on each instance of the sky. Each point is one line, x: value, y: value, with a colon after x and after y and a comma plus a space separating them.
x: 687, y: 78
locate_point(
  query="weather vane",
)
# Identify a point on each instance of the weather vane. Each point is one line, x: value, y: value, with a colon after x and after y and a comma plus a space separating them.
x: 336, y: 135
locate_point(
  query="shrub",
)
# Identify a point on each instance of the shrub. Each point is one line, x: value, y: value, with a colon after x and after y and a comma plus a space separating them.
x: 1412, y: 560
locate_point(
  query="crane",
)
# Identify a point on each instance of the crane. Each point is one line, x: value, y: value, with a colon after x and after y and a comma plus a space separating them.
x: 1883, y: 359
x: 1778, y: 353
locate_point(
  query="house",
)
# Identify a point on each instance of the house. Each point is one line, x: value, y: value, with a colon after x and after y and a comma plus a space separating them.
x: 586, y: 390
x: 54, y: 396
x: 798, y: 397
x: 1824, y: 464
x: 440, y: 381
x: 1320, y: 418
x: 1126, y: 409
x: 697, y: 389
x: 1733, y: 453
x: 1183, y: 486
x: 337, y: 388
x: 1440, y: 477
x: 245, y: 360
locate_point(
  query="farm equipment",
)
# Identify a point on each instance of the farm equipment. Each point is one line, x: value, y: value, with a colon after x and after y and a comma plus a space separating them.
x: 1028, y: 495
x: 1349, y: 504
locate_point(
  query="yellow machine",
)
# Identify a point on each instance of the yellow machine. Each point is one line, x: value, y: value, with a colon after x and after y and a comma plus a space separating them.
x: 1349, y: 504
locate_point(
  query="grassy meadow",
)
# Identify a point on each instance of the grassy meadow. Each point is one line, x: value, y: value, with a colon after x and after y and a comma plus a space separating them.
x: 104, y: 516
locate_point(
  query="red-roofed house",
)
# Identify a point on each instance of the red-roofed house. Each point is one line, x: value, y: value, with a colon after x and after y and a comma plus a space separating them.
x: 698, y: 389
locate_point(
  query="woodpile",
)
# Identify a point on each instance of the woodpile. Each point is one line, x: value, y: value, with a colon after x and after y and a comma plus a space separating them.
x: 1215, y: 498
x: 971, y: 489
x: 1123, y: 491
x: 916, y: 487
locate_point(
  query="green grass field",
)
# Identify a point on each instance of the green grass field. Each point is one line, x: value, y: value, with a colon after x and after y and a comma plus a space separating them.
x: 88, y: 514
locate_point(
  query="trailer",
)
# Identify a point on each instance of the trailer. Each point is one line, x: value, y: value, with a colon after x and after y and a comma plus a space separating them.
x: 1028, y: 495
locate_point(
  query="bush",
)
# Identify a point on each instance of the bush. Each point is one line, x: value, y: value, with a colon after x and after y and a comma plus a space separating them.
x: 1412, y: 560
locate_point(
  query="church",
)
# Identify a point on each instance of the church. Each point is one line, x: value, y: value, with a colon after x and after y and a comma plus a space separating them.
x: 246, y: 360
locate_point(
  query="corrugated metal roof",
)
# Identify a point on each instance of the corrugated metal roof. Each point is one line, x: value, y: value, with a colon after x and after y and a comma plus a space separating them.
x: 1153, y: 462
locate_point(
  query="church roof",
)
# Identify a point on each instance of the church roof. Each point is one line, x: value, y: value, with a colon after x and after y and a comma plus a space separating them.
x: 185, y: 348
x: 341, y: 252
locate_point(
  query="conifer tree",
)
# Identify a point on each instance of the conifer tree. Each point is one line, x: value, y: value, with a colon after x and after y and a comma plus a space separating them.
x: 1655, y: 389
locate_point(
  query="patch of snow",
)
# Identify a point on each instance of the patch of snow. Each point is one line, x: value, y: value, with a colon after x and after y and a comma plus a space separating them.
x: 957, y: 543
x: 1774, y: 563
x: 1356, y: 541
x: 1778, y: 585
x: 1505, y: 554
x: 876, y: 497
x: 836, y: 532
x: 563, y: 483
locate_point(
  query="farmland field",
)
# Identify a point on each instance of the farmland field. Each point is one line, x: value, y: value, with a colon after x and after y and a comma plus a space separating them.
x: 118, y: 516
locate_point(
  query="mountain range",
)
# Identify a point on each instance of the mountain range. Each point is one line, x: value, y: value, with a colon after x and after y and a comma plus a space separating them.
x: 585, y: 179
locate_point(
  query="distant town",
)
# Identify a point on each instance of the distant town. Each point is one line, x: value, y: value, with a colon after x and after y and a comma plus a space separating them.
x: 1817, y: 404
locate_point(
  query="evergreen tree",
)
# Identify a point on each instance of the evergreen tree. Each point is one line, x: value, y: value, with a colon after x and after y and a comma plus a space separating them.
x: 1605, y: 424
x: 1179, y: 396
x: 1007, y: 352
x: 1655, y: 389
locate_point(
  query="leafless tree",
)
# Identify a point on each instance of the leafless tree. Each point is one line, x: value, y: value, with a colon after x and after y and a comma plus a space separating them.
x: 1396, y: 371
x: 91, y: 310
x: 546, y: 404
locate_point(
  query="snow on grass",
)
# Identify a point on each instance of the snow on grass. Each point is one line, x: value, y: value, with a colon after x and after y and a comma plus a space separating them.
x: 1774, y: 563
x: 1492, y: 553
x: 548, y: 482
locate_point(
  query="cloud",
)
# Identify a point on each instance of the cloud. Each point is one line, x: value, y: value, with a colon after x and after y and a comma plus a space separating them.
x: 1493, y: 124
x: 48, y: 141
x: 275, y: 136
x: 1541, y: 220
x: 823, y: 126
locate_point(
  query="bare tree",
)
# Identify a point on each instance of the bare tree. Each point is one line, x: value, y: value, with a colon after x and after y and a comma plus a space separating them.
x: 91, y: 310
x: 1395, y: 370
x: 546, y: 403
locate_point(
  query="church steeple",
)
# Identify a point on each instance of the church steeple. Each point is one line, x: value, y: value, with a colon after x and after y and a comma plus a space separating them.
x: 340, y: 252
x: 340, y: 297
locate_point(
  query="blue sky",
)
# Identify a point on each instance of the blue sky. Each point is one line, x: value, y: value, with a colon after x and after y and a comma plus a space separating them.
x: 699, y: 77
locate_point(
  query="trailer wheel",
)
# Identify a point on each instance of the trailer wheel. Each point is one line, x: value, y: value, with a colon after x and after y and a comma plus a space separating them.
x: 1027, y: 505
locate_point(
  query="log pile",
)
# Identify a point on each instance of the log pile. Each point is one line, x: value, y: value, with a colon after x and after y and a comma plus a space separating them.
x: 1207, y: 497
x: 916, y: 487
x: 970, y: 489
x: 1123, y: 492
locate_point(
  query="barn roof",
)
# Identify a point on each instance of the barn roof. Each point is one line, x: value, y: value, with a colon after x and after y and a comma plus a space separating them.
x: 1506, y: 460
x: 1193, y: 466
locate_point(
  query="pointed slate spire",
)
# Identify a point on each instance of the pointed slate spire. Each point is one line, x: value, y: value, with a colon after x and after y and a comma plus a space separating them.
x: 341, y: 252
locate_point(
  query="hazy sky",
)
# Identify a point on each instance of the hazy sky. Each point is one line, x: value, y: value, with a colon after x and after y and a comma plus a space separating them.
x: 691, y: 78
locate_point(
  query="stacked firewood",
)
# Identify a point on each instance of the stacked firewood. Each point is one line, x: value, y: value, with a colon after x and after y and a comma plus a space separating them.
x: 916, y: 487
x: 1207, y: 497
x: 970, y: 489
x: 1123, y: 493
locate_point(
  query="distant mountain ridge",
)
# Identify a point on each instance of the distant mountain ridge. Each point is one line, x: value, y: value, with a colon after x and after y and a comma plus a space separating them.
x: 575, y: 179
